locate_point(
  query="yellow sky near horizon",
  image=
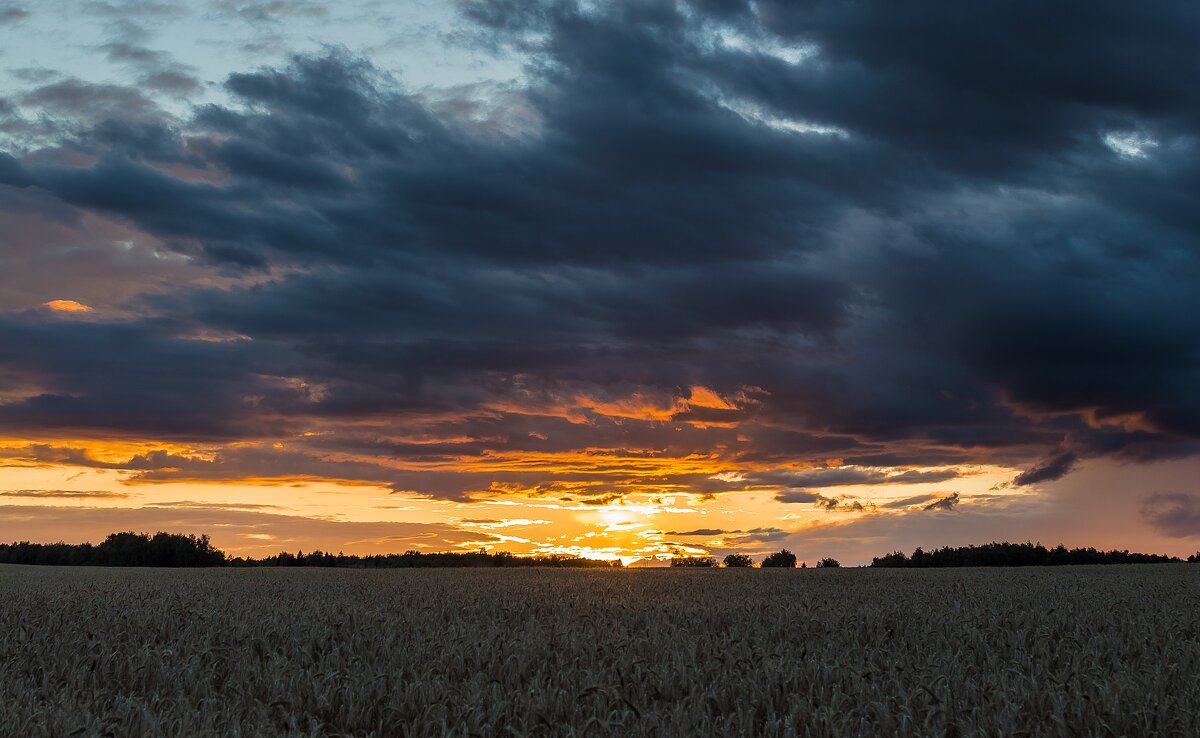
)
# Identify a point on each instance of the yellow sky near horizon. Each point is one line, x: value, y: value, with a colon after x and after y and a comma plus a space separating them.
x: 51, y: 502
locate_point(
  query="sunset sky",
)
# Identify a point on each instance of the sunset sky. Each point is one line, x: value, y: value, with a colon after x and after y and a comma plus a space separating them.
x: 616, y: 279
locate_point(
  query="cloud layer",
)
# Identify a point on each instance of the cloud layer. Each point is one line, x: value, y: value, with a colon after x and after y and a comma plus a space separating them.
x: 709, y: 247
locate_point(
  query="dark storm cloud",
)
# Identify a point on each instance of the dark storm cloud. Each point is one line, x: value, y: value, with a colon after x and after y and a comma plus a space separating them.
x: 1048, y: 470
x: 798, y: 495
x: 759, y: 535
x: 136, y: 378
x: 11, y: 14
x: 949, y: 502
x: 982, y: 248
x: 957, y: 86
x: 845, y: 476
x: 1175, y: 514
x: 846, y: 504
x: 925, y: 503
x: 799, y: 486
x: 605, y: 499
x: 752, y: 535
x: 137, y: 139
x: 12, y: 173
x: 907, y: 502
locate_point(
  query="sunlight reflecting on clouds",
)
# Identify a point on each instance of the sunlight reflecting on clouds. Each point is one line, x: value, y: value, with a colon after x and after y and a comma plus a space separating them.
x: 68, y: 306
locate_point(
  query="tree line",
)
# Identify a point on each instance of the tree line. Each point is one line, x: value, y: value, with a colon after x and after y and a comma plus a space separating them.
x: 173, y: 549
x: 418, y: 560
x: 1017, y: 554
x: 119, y: 549
x: 783, y: 559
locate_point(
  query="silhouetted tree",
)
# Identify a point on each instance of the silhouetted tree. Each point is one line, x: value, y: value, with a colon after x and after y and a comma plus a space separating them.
x: 738, y: 561
x: 784, y: 559
x: 829, y: 564
x: 702, y: 562
x: 895, y: 559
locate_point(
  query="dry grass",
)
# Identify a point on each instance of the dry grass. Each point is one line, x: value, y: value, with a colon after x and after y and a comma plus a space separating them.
x: 1079, y: 651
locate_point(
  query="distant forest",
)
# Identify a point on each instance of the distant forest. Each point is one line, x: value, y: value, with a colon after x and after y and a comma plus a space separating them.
x: 172, y: 549
x: 119, y: 549
x: 1017, y: 554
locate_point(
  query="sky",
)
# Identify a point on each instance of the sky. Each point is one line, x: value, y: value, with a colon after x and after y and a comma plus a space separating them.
x: 615, y: 279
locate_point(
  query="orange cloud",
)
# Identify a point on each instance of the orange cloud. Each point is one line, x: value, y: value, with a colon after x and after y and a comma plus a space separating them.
x: 68, y: 306
x: 704, y: 397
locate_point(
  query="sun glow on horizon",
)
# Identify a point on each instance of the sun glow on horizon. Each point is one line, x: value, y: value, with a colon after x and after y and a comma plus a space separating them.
x: 645, y: 521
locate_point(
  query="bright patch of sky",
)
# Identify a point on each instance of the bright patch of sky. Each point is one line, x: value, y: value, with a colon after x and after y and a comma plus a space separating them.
x: 757, y: 114
x: 1130, y: 144
x: 732, y: 39
x: 424, y: 43
x: 790, y: 53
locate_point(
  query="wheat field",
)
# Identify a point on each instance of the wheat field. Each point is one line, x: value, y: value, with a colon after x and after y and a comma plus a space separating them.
x: 1091, y: 651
